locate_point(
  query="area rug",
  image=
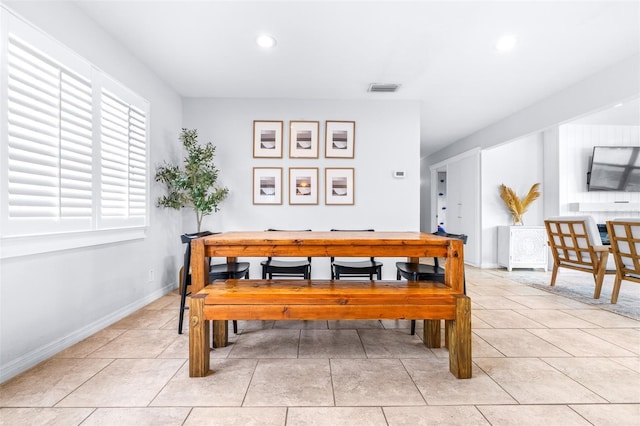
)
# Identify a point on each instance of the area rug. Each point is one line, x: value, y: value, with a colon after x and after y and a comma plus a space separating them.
x: 581, y: 287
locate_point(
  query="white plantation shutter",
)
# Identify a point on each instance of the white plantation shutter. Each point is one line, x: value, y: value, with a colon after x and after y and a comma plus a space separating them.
x: 138, y: 164
x: 74, y: 149
x: 122, y: 160
x: 32, y: 125
x: 49, y: 153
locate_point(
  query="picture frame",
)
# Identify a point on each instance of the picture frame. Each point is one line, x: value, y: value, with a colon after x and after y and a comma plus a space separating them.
x: 303, y: 185
x: 340, y: 139
x: 303, y: 139
x: 339, y: 186
x: 267, y: 185
x: 267, y: 139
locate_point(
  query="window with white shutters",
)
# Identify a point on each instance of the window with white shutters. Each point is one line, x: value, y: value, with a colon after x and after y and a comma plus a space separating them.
x: 74, y: 147
x: 122, y: 161
x: 49, y: 142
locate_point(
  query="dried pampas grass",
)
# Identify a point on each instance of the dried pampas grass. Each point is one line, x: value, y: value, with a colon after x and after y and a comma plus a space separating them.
x: 517, y: 206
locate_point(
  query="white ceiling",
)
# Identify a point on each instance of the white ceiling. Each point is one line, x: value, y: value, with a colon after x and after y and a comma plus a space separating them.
x: 441, y: 52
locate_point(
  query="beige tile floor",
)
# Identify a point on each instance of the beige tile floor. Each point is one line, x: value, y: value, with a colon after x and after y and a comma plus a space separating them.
x: 539, y: 359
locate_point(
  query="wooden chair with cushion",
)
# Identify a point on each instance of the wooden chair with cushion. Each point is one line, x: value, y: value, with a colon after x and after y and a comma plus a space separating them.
x: 357, y: 268
x: 575, y: 244
x: 220, y: 271
x: 624, y: 235
x: 286, y: 268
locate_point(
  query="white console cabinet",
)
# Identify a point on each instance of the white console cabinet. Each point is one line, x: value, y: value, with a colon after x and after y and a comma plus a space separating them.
x: 522, y: 247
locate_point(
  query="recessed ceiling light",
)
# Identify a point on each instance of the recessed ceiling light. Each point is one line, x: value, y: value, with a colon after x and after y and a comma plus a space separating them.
x: 506, y: 43
x: 618, y: 105
x: 266, y: 41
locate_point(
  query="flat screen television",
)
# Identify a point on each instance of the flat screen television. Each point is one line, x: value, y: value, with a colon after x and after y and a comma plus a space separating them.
x: 614, y: 168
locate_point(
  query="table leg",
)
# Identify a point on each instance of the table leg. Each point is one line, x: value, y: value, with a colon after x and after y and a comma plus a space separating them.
x: 459, y: 331
x: 220, y: 334
x: 198, y: 338
x: 432, y: 333
x: 447, y: 325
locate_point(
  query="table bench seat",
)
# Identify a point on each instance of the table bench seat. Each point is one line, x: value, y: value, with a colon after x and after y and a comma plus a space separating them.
x: 330, y: 300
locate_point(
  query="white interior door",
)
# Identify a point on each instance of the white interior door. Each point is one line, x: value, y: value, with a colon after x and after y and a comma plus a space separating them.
x: 463, y: 203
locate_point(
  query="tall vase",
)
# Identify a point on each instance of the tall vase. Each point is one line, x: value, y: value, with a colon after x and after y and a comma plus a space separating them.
x: 518, y: 220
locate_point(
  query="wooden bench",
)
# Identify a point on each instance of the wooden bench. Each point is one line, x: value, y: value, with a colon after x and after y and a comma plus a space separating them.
x: 332, y: 300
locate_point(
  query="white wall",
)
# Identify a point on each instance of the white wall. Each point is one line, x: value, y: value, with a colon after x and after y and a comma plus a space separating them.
x: 518, y: 165
x: 459, y: 206
x: 551, y: 172
x: 576, y: 142
x: 612, y: 85
x: 50, y: 301
x: 387, y: 139
x: 425, y: 197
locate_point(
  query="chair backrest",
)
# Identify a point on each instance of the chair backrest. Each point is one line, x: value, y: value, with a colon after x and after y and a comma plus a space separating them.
x: 572, y: 238
x: 186, y: 238
x: 462, y: 237
x: 288, y: 230
x: 353, y: 230
x: 186, y: 266
x: 624, y: 235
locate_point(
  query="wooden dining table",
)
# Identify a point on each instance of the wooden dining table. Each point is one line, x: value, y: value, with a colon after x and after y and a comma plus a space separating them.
x: 412, y: 245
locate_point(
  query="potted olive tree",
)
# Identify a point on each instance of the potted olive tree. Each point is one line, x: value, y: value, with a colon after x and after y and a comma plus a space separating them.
x: 194, y: 183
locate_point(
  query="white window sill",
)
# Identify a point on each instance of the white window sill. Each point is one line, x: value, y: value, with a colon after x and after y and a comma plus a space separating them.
x: 25, y: 246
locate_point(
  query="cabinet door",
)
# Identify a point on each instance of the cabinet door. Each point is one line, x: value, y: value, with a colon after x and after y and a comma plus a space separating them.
x: 463, y: 204
x: 528, y: 245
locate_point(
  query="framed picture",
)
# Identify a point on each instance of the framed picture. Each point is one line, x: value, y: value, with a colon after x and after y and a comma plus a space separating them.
x: 267, y: 139
x: 340, y: 139
x: 303, y: 185
x: 267, y: 185
x: 339, y: 186
x: 303, y: 139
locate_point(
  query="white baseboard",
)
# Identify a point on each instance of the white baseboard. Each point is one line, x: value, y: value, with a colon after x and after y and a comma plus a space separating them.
x: 42, y: 353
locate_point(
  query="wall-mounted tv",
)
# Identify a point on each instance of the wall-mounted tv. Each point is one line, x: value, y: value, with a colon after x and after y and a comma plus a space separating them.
x: 614, y: 168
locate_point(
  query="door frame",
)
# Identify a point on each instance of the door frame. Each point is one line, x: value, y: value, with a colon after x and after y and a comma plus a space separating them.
x: 433, y: 170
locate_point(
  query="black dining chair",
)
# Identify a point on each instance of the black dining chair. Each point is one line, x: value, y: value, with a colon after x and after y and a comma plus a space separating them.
x: 357, y: 268
x: 423, y: 272
x: 221, y: 271
x: 286, y: 268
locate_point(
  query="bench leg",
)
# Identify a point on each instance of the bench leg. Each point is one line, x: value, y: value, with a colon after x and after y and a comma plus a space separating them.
x: 198, y: 338
x: 432, y: 333
x: 447, y: 325
x: 459, y: 331
x: 220, y: 334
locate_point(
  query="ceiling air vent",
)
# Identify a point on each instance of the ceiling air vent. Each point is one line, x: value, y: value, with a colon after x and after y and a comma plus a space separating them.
x: 383, y: 87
